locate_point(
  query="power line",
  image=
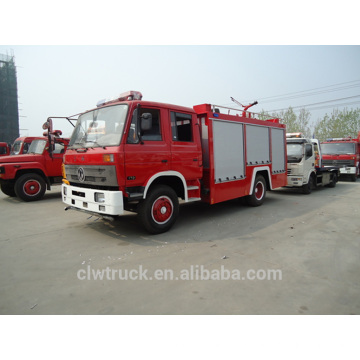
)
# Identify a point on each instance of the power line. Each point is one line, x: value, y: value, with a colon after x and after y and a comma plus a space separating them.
x: 323, y: 87
x: 309, y: 92
x: 318, y: 103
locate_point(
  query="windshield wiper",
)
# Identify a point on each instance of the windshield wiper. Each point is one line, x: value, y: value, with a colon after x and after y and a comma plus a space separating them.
x: 96, y: 143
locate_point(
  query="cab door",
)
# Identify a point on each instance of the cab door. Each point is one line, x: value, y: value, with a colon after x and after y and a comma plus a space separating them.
x: 53, y: 163
x: 186, y: 154
x: 309, y: 162
x: 150, y: 154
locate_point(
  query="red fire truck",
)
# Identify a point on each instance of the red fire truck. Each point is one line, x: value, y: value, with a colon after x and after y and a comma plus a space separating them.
x: 344, y: 153
x: 4, y: 149
x: 29, y: 175
x: 142, y: 156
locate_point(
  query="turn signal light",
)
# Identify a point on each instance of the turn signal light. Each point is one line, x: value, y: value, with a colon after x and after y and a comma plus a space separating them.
x: 108, y: 157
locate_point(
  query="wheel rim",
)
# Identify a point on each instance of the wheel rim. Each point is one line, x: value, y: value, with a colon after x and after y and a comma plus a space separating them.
x: 162, y: 210
x: 259, y: 190
x: 32, y: 187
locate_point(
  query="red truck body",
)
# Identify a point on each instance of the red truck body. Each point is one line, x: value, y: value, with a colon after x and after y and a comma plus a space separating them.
x: 134, y: 155
x: 344, y: 153
x: 29, y: 175
x: 4, y: 149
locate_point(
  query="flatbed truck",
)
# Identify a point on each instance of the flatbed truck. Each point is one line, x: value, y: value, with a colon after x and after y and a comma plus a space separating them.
x: 305, y: 168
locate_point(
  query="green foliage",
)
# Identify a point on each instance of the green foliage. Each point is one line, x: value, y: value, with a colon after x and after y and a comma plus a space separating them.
x: 295, y: 123
x: 338, y: 124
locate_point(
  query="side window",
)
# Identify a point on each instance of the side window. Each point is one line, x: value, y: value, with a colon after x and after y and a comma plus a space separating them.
x: 308, y: 151
x: 59, y: 148
x: 154, y: 134
x: 26, y: 148
x: 181, y: 126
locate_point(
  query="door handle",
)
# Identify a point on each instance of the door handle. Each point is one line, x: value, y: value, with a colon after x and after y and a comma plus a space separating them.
x: 164, y: 161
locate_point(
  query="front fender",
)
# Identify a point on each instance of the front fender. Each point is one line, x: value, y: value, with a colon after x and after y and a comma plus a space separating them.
x: 166, y: 173
x: 13, y: 170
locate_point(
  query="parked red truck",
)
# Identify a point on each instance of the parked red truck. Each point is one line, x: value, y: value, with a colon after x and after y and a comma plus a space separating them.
x: 29, y: 175
x: 344, y: 153
x: 142, y: 156
x: 4, y: 149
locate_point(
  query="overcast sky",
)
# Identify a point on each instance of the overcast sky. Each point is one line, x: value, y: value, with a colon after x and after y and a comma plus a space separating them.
x: 66, y: 80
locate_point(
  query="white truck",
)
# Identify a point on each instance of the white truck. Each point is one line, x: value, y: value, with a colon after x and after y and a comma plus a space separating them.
x: 304, y: 164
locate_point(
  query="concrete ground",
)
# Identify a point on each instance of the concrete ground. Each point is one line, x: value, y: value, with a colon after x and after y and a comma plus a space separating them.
x: 309, y: 244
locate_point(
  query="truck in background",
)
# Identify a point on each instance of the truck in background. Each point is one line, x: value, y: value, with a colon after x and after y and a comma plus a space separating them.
x: 142, y: 156
x: 27, y: 176
x: 4, y: 149
x: 344, y: 153
x: 305, y: 164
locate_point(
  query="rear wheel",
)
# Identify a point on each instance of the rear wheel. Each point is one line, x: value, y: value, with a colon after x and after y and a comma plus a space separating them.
x: 259, y: 192
x: 159, y: 211
x: 30, y: 187
x: 8, y: 189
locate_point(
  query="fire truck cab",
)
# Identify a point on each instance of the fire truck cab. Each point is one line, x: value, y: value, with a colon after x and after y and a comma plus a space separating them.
x: 344, y: 153
x: 4, y: 149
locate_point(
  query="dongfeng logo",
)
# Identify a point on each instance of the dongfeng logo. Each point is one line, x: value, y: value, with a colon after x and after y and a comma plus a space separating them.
x: 81, y: 174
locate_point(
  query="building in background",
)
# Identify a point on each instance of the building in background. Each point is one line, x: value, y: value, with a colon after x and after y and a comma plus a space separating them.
x: 9, y: 112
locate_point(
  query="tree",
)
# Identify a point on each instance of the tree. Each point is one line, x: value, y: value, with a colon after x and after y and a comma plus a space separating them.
x: 303, y: 122
x: 295, y: 123
x: 338, y: 124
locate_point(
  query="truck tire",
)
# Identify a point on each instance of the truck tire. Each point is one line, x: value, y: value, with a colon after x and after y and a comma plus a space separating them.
x: 307, y: 188
x: 353, y: 177
x: 159, y: 211
x: 259, y: 192
x: 333, y: 181
x: 30, y: 187
x: 8, y: 189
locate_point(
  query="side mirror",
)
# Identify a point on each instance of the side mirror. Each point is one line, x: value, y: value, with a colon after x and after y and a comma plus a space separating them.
x: 146, y: 121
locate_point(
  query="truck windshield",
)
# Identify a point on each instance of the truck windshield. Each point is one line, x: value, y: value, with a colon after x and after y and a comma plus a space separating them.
x: 37, y: 147
x: 16, y: 148
x: 338, y: 148
x: 100, y: 127
x: 294, y: 152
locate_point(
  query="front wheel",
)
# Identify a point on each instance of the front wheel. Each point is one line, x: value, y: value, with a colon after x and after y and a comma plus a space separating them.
x: 30, y: 187
x: 8, y: 189
x: 307, y: 188
x: 159, y: 211
x: 259, y: 191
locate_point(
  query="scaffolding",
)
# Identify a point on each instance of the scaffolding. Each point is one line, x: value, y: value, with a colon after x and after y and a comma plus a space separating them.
x: 9, y: 112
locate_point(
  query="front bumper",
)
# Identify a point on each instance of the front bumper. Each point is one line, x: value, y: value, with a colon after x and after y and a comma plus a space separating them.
x: 95, y: 201
x: 348, y: 170
x: 295, y: 181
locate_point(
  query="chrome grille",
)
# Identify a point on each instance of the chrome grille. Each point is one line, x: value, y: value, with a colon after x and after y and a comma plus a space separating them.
x: 341, y: 163
x: 92, y: 174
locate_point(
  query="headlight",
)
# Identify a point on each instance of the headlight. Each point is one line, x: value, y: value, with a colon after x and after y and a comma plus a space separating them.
x: 99, y: 197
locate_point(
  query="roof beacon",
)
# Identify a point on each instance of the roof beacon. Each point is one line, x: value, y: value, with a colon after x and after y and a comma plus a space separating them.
x: 295, y: 135
x: 126, y: 96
